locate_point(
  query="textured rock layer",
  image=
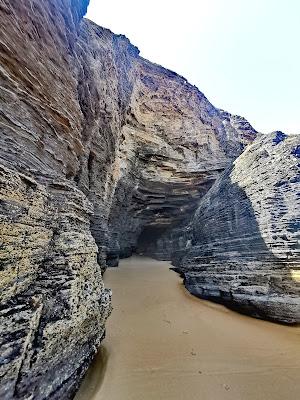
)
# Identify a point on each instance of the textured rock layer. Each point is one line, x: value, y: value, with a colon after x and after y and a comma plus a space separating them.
x: 103, y: 153
x: 96, y: 144
x: 243, y: 243
x: 153, y: 144
x: 53, y: 303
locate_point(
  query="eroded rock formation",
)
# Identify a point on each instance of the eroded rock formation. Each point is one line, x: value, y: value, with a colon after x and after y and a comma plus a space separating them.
x: 101, y: 153
x: 174, y: 144
x: 153, y: 143
x: 94, y: 140
x: 53, y: 302
x: 242, y: 247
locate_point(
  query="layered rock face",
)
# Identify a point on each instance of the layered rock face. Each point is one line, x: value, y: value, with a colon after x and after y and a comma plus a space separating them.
x: 242, y: 248
x: 102, y: 153
x: 153, y: 144
x: 174, y: 144
x: 96, y: 144
x: 53, y: 302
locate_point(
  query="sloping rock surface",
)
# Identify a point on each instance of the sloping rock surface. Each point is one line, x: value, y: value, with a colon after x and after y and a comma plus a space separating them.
x: 243, y: 244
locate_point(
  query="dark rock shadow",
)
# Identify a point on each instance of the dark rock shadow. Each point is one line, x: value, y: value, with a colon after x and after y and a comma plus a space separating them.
x: 93, y: 378
x: 230, y: 259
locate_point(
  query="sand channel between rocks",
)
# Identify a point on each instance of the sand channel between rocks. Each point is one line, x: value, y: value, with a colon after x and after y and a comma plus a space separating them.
x: 162, y: 343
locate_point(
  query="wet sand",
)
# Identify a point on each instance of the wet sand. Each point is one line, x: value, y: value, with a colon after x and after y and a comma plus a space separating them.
x: 162, y: 343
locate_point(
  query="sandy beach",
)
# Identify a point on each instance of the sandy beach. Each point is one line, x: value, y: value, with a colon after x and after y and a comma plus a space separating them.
x: 162, y: 343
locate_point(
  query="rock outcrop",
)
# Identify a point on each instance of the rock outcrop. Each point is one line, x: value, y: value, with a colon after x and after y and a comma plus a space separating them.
x: 243, y: 244
x: 97, y: 145
x: 102, y: 153
x: 174, y: 144
x: 153, y: 144
x: 53, y: 302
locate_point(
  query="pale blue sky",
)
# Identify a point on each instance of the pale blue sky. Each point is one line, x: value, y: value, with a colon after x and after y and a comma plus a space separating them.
x: 244, y: 55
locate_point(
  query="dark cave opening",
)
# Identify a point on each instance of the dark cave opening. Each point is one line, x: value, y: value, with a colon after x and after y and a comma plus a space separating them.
x: 147, y: 241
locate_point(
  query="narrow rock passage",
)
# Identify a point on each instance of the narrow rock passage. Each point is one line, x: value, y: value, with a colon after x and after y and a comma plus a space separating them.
x: 162, y: 343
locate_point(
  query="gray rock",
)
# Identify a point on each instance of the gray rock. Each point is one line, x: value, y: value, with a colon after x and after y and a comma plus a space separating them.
x: 53, y: 302
x: 103, y: 153
x: 245, y: 234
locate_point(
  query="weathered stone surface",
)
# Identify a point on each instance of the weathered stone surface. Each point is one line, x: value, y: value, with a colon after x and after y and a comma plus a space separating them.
x: 41, y: 120
x: 97, y: 145
x: 174, y: 144
x: 243, y: 247
x: 153, y: 144
x: 105, y: 82
x: 53, y: 303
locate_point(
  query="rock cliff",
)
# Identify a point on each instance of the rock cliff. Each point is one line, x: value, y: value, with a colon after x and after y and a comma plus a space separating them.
x: 153, y: 144
x: 242, y: 246
x: 102, y: 153
x: 53, y: 302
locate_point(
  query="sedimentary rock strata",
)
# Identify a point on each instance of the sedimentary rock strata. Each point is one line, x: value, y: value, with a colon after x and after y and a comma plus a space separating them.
x: 103, y: 153
x: 53, y: 302
x: 174, y: 145
x: 153, y: 144
x: 243, y: 246
x: 94, y: 141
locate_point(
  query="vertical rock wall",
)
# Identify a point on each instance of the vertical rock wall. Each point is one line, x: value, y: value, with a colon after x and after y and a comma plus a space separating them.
x: 244, y: 245
x: 53, y: 302
x: 105, y: 82
x: 173, y: 146
x: 98, y: 145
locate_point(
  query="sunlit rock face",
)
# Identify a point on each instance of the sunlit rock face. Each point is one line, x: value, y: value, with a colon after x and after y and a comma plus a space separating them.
x: 101, y: 153
x: 242, y: 246
x: 173, y: 146
x: 152, y: 143
x: 53, y: 302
